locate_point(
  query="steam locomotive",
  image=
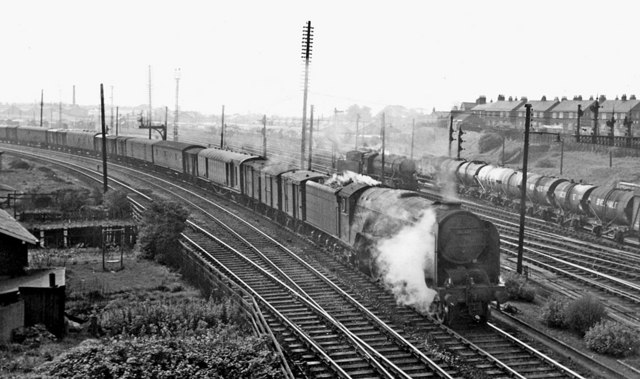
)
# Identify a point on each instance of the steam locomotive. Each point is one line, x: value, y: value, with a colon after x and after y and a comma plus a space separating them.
x: 462, y: 259
x: 399, y: 171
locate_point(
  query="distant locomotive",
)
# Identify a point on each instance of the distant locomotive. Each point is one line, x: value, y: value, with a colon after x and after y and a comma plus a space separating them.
x: 399, y: 171
x: 610, y: 211
x: 352, y: 217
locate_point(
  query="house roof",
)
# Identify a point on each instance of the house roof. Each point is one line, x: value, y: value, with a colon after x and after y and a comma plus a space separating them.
x: 499, y: 106
x: 572, y: 105
x: 539, y: 105
x: 10, y: 227
x: 619, y: 106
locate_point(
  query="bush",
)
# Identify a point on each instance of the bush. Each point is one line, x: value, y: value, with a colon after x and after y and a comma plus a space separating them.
x: 117, y: 204
x: 160, y: 229
x: 19, y: 164
x: 583, y: 313
x: 183, y: 317
x: 613, y: 338
x: 70, y: 200
x: 518, y: 287
x: 223, y: 354
x: 553, y: 312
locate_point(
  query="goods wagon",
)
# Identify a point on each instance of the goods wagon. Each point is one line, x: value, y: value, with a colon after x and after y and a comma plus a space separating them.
x: 140, y: 149
x: 171, y: 155
x: 31, y: 135
x: 81, y: 140
x: 223, y: 167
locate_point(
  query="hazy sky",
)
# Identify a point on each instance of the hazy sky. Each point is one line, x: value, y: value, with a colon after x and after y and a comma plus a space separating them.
x: 247, y: 54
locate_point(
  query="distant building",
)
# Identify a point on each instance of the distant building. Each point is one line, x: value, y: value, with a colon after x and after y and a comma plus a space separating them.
x: 499, y: 114
x: 540, y: 113
x: 565, y: 114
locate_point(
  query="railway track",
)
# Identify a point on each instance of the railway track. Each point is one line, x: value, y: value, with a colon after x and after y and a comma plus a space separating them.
x: 339, y: 322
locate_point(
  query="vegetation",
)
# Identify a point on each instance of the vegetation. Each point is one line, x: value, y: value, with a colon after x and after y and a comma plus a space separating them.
x: 117, y: 204
x: 545, y: 163
x: 19, y: 164
x: 612, y: 338
x: 583, y: 313
x: 160, y: 228
x: 518, y: 288
x: 553, y: 312
x: 488, y: 142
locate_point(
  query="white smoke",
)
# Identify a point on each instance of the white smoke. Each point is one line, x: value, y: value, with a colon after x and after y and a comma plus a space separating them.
x: 348, y: 177
x: 403, y: 260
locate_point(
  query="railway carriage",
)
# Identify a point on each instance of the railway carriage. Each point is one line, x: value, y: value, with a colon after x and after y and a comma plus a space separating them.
x: 81, y: 141
x: 223, y: 167
x: 250, y: 177
x: 31, y: 135
x: 57, y: 139
x: 294, y: 190
x: 271, y: 180
x: 139, y: 149
x: 172, y: 155
x: 322, y: 208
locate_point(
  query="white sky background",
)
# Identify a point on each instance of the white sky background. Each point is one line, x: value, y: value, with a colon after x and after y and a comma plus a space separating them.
x: 247, y: 54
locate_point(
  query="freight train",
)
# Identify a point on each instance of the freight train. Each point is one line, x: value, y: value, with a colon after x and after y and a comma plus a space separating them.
x: 606, y: 211
x: 353, y: 218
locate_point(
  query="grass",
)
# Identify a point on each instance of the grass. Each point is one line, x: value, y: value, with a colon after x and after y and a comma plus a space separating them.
x: 90, y: 288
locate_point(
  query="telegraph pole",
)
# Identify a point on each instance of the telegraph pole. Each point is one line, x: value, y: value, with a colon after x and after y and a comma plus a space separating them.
x: 264, y: 136
x: 222, y: 130
x: 523, y: 187
x: 383, y: 138
x: 117, y: 120
x: 307, y: 42
x: 175, y: 116
x: 111, y: 122
x: 150, y: 107
x: 310, y: 138
x: 41, y: 105
x: 580, y: 112
x: 413, y: 134
x: 595, y: 109
x: 357, y: 129
x: 450, y: 132
x: 104, y: 142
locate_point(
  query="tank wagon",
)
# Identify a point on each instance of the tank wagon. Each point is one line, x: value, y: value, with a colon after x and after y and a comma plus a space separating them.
x: 352, y: 218
x: 605, y: 210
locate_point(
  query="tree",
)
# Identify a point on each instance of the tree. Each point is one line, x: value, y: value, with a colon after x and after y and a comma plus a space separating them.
x: 117, y: 204
x: 160, y: 229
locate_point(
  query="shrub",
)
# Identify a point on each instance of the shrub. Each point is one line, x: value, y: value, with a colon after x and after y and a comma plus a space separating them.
x: 223, y: 354
x: 613, y: 338
x: 160, y: 229
x: 583, y: 313
x: 70, y: 200
x: 19, y: 164
x: 168, y: 318
x: 553, y: 311
x: 117, y: 204
x: 518, y: 288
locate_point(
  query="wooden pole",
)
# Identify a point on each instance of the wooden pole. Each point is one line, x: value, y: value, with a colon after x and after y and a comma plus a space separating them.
x: 310, y: 138
x: 523, y: 188
x: 104, y: 142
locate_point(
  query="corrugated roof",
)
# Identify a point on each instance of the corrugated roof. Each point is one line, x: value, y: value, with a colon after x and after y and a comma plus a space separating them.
x: 225, y: 155
x: 9, y: 226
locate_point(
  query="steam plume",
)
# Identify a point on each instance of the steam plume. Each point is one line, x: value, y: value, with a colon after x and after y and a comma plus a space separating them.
x: 348, y: 177
x: 403, y: 260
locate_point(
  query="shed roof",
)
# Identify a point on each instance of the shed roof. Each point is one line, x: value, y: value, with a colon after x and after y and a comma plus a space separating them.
x: 9, y: 226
